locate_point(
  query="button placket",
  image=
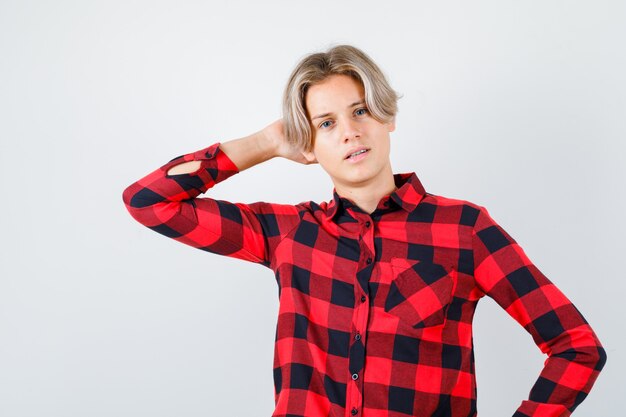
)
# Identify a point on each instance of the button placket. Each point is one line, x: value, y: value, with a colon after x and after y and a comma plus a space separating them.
x: 366, y: 244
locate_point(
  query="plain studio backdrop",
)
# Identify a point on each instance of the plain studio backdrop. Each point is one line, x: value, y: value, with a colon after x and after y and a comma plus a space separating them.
x: 517, y: 106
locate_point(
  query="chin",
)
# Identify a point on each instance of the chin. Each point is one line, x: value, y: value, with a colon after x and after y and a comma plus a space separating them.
x: 359, y: 176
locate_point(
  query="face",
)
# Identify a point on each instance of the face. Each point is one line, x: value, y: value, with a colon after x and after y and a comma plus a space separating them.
x: 341, y: 123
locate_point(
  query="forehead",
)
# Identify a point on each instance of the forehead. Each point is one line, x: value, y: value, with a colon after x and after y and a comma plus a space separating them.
x: 334, y: 91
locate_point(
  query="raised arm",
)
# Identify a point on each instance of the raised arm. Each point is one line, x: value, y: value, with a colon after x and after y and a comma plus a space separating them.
x: 166, y: 200
x: 253, y: 149
x: 244, y: 153
x: 575, y: 355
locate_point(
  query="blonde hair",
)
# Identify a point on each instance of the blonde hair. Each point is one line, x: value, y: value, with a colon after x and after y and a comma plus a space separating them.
x: 314, y: 68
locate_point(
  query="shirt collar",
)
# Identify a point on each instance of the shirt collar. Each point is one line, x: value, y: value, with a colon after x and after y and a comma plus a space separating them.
x: 408, y: 194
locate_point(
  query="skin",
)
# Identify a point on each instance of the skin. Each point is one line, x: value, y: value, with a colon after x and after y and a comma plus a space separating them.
x: 345, y: 127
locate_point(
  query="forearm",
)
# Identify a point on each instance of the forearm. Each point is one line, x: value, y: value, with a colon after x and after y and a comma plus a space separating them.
x: 245, y: 152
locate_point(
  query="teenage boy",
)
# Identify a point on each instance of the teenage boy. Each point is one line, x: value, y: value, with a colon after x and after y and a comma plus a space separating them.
x: 378, y: 286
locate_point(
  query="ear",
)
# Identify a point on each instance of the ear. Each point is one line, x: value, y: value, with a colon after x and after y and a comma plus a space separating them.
x: 392, y: 124
x: 310, y: 156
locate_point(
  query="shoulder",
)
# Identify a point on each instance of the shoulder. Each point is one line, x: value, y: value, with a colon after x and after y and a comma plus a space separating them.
x: 445, y: 201
x: 458, y: 210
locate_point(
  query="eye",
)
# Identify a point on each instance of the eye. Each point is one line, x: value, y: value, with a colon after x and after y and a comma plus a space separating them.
x: 324, y: 125
x: 362, y: 111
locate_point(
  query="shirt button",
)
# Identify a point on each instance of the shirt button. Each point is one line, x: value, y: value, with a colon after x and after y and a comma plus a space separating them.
x: 354, y: 411
x: 369, y: 261
x: 367, y: 223
x: 357, y: 337
x: 355, y: 376
x: 363, y: 298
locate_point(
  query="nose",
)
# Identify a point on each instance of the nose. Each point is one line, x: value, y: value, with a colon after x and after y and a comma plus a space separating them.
x: 350, y: 129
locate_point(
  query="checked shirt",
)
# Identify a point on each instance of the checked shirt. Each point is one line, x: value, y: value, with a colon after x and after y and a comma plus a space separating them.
x: 375, y: 309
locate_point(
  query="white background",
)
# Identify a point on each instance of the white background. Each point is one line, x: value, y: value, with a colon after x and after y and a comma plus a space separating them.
x: 517, y: 106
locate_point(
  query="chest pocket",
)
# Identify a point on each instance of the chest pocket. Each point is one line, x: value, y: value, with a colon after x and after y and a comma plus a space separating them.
x: 420, y: 292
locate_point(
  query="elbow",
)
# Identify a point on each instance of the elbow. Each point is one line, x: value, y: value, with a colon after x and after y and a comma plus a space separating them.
x: 127, y: 198
x: 143, y: 204
x: 131, y: 197
x: 596, y: 354
x: 593, y: 357
x: 135, y: 198
x: 127, y: 195
x: 600, y: 359
x: 585, y: 348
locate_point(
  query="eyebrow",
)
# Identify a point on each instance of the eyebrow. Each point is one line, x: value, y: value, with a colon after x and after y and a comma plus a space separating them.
x: 356, y: 103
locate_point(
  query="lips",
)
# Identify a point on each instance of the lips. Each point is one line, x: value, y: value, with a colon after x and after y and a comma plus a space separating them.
x: 360, y: 148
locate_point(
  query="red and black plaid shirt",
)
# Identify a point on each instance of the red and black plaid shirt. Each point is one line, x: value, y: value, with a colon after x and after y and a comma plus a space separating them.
x: 376, y: 310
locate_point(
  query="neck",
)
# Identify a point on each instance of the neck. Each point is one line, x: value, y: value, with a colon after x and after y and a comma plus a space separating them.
x: 367, y: 195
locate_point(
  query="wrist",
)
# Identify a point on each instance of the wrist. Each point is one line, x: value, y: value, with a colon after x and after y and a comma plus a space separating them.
x: 266, y: 146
